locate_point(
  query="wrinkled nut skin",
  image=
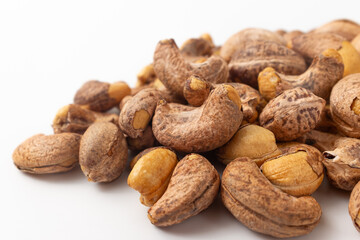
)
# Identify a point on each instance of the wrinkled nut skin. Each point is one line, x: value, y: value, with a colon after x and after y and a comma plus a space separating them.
x: 250, y: 141
x: 43, y: 154
x: 137, y: 112
x: 354, y: 206
x: 197, y: 47
x: 262, y: 207
x: 151, y: 173
x: 103, y: 152
x: 147, y: 140
x: 298, y: 171
x: 193, y: 186
x: 190, y: 129
x: 343, y: 163
x: 76, y: 119
x: 172, y: 68
x: 292, y: 113
x: 343, y: 27
x: 246, y: 64
x: 101, y: 96
x: 238, y: 40
x: 325, y: 71
x: 343, y: 110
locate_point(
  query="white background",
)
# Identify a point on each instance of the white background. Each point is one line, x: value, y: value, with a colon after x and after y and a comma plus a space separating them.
x: 48, y: 49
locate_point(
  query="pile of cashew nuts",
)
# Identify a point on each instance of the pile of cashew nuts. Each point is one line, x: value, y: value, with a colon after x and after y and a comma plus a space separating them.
x: 280, y: 109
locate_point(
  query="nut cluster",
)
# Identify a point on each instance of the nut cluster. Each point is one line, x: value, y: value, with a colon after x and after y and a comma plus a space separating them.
x: 277, y: 108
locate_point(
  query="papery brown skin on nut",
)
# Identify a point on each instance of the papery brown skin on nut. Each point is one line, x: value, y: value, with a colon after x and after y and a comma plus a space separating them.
x: 354, y: 206
x: 292, y: 113
x: 343, y: 27
x: 173, y: 69
x: 42, y: 154
x: 238, y: 40
x: 345, y: 105
x: 193, y: 186
x: 101, y: 96
x: 76, y: 119
x: 147, y: 140
x: 246, y: 64
x: 190, y: 129
x: 324, y: 72
x: 103, y: 152
x: 262, y: 207
x: 298, y: 171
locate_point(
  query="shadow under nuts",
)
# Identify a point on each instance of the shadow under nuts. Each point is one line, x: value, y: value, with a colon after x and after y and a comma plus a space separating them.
x: 103, y: 152
x: 298, y: 171
x: 292, y: 113
x: 151, y: 174
x: 193, y: 186
x: 262, y: 207
x: 42, y: 154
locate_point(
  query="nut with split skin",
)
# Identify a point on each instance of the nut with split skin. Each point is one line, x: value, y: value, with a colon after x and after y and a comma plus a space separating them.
x: 101, y: 96
x: 292, y: 113
x: 354, y: 206
x: 173, y: 69
x: 298, y: 171
x: 193, y: 186
x: 147, y: 140
x: 42, y: 154
x: 195, y: 47
x: 74, y: 118
x: 250, y: 141
x: 150, y: 174
x: 103, y: 152
x: 262, y: 207
x: 199, y: 129
x: 324, y: 72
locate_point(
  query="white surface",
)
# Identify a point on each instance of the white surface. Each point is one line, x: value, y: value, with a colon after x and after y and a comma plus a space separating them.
x: 49, y: 48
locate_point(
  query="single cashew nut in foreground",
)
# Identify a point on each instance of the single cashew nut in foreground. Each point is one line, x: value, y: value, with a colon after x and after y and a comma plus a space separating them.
x: 250, y: 141
x: 193, y: 186
x: 172, y: 68
x: 76, y: 119
x: 345, y: 105
x: 319, y: 78
x: 292, y: 113
x: 101, y: 96
x: 246, y: 64
x: 238, y: 40
x: 103, y: 152
x: 190, y: 129
x: 262, y: 207
x: 298, y: 171
x: 354, y: 206
x: 43, y: 154
x: 151, y: 174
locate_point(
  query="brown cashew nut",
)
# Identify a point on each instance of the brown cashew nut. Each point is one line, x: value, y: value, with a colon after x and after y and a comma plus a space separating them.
x: 345, y: 105
x: 246, y: 64
x: 237, y: 41
x: 76, y: 119
x: 354, y: 206
x: 298, y: 171
x: 196, y: 90
x: 101, y: 96
x: 262, y: 207
x: 42, y: 154
x: 250, y: 141
x: 172, y: 68
x: 343, y: 27
x: 193, y: 186
x: 103, y: 152
x: 320, y: 77
x: 195, y: 47
x: 311, y: 45
x: 190, y: 129
x: 137, y: 112
x: 292, y: 113
x: 147, y: 140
